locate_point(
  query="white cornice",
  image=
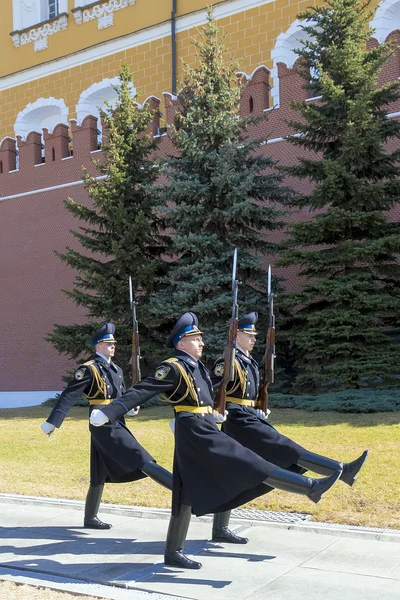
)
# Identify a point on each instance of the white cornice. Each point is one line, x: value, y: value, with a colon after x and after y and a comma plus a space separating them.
x: 103, y: 12
x: 144, y: 36
x: 39, y: 34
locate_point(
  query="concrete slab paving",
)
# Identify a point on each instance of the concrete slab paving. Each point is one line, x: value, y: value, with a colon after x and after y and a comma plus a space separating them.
x: 47, y: 545
x: 362, y: 558
x: 308, y: 584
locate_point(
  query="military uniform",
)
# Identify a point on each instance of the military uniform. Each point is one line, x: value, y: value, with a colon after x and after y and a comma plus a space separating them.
x: 252, y: 431
x: 115, y: 455
x: 212, y: 471
x: 242, y: 422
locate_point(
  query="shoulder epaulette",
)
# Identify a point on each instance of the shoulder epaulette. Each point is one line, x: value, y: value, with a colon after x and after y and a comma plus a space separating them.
x: 97, y: 381
x: 190, y: 387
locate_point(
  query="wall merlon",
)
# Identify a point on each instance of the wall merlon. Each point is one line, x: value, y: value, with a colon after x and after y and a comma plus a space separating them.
x: 257, y: 100
x: 30, y: 151
x: 84, y: 137
x: 8, y: 155
x: 56, y: 144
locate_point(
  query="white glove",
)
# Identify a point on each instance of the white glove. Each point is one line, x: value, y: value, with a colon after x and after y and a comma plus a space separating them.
x: 47, y: 428
x: 218, y: 417
x: 133, y: 412
x: 98, y: 418
x: 261, y: 414
x: 172, y: 426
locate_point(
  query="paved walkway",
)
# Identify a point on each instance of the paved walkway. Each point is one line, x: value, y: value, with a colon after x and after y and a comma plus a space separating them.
x: 42, y: 542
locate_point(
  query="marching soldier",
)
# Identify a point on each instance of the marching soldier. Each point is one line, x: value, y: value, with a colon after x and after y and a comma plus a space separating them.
x: 248, y: 425
x: 212, y: 472
x: 115, y: 455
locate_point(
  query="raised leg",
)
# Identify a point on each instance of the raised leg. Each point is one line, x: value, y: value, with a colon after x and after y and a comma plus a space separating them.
x: 314, y: 489
x: 327, y: 466
x: 159, y: 474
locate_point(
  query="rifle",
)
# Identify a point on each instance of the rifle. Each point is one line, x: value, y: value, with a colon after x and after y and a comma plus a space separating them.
x: 230, y: 349
x: 269, y: 355
x: 136, y: 374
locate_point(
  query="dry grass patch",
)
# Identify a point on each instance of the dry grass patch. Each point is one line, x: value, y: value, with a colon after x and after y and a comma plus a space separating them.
x: 15, y: 591
x: 59, y: 467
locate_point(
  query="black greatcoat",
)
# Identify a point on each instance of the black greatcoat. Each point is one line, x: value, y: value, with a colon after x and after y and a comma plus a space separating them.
x: 115, y: 455
x: 242, y: 423
x: 212, y: 472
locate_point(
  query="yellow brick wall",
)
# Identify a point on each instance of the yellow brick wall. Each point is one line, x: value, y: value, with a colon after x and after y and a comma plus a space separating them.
x: 143, y: 14
x: 251, y: 35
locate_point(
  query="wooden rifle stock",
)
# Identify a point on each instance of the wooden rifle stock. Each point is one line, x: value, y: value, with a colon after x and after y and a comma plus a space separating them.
x: 268, y: 362
x: 229, y: 370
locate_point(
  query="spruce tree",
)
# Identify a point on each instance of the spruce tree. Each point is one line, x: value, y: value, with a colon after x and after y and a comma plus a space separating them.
x: 221, y: 194
x: 120, y: 232
x: 348, y: 249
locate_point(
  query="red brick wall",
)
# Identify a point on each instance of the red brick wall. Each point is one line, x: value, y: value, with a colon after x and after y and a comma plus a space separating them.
x: 33, y: 226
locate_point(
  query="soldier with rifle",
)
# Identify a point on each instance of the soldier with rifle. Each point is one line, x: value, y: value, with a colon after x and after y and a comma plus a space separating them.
x: 247, y: 405
x: 212, y: 472
x: 115, y: 454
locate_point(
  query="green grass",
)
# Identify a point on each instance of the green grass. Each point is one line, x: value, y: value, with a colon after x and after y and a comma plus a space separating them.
x: 58, y: 466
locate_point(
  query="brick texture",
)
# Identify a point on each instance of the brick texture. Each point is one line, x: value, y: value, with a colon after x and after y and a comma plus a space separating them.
x: 33, y: 226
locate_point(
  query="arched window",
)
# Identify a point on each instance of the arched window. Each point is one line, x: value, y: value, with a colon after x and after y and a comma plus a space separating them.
x: 286, y: 43
x: 95, y: 98
x: 386, y: 19
x: 44, y: 113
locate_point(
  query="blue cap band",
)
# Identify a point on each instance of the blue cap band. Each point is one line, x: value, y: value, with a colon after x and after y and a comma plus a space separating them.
x: 182, y: 332
x: 104, y: 338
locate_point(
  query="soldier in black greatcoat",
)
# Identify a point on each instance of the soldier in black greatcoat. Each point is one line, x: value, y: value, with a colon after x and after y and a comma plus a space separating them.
x: 115, y: 455
x: 212, y: 472
x: 248, y: 425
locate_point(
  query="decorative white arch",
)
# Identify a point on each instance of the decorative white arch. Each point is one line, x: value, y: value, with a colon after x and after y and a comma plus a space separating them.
x: 95, y: 97
x: 44, y: 113
x: 286, y: 43
x: 386, y: 19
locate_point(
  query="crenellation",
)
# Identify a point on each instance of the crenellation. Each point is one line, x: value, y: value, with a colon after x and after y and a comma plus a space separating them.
x: 30, y: 151
x: 8, y: 155
x: 84, y: 137
x: 78, y: 142
x: 56, y: 144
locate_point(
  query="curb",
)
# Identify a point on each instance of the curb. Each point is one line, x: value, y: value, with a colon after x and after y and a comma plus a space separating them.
x: 143, y: 512
x: 86, y: 587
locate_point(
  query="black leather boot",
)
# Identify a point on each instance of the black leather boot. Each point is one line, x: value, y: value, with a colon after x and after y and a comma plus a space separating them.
x: 221, y: 532
x: 176, y: 536
x: 159, y: 474
x: 350, y: 470
x: 92, y: 504
x: 314, y: 489
x: 326, y: 466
